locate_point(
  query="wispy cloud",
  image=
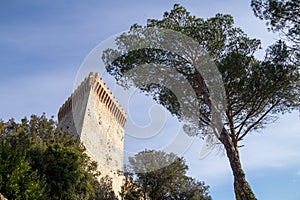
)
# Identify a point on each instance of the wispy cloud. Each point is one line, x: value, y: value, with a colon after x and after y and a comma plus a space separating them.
x: 277, y: 146
x: 43, y: 44
x: 262, y: 151
x: 35, y: 94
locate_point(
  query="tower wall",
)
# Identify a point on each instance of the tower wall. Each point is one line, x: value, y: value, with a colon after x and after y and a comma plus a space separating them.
x: 95, y: 116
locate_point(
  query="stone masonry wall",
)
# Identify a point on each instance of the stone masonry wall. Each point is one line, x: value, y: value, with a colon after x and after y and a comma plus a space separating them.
x: 95, y: 116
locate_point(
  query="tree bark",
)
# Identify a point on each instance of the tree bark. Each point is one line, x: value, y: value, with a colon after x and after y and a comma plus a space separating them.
x: 242, y: 188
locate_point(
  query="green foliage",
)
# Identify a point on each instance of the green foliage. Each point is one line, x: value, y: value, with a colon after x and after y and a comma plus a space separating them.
x: 17, y: 179
x: 130, y: 190
x: 161, y: 176
x: 251, y: 98
x: 282, y: 16
x: 103, y: 191
x: 64, y: 170
x: 38, y: 161
x: 256, y: 90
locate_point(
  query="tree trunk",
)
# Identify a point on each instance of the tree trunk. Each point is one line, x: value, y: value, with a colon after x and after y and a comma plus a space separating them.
x: 242, y: 188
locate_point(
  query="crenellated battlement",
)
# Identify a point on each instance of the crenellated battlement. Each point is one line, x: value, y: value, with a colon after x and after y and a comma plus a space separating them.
x: 95, y: 84
x: 94, y: 115
x: 76, y: 96
x: 105, y: 96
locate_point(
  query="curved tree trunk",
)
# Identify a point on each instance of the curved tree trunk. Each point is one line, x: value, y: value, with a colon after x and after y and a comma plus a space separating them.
x: 242, y: 188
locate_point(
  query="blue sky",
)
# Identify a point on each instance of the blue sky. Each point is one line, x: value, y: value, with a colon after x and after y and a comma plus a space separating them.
x: 43, y: 43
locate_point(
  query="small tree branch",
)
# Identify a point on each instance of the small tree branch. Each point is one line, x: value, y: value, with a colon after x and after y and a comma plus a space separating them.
x: 258, y: 121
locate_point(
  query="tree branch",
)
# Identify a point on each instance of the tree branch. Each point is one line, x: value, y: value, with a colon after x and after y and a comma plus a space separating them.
x: 259, y: 120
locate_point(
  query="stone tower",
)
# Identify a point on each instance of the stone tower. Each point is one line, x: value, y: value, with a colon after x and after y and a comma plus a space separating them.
x: 94, y: 115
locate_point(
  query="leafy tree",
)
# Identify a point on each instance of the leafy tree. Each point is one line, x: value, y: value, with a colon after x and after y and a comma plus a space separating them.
x: 17, y: 179
x: 282, y: 16
x: 256, y: 90
x: 64, y: 170
x: 194, y: 190
x: 162, y: 176
x: 104, y: 191
x: 56, y: 158
x: 130, y: 190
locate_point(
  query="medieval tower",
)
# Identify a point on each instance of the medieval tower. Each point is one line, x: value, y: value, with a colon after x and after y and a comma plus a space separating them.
x: 94, y: 115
